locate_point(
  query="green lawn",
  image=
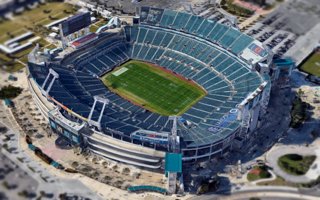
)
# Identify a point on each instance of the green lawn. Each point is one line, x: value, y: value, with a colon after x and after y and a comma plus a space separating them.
x: 153, y: 88
x: 279, y: 181
x: 298, y: 113
x: 312, y: 65
x: 42, y: 15
x: 13, y: 67
x: 51, y: 46
x: 94, y: 27
x: 236, y: 9
x: 4, y: 58
x: 258, y: 172
x: 296, y: 164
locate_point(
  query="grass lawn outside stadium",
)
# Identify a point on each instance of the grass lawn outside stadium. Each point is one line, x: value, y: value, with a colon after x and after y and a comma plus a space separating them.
x: 153, y: 88
x: 312, y: 64
x: 33, y: 20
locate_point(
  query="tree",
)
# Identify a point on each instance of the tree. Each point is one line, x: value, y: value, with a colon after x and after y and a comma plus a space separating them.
x: 9, y: 92
x: 314, y: 133
x: 126, y: 171
x: 115, y: 167
x: 204, y: 188
x: 3, y: 129
x: 300, y: 92
x: 75, y: 164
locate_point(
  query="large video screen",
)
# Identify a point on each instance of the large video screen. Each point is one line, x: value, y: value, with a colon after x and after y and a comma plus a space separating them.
x: 76, y: 23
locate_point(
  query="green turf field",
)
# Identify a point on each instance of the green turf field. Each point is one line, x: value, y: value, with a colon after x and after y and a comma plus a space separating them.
x: 153, y: 88
x: 312, y: 65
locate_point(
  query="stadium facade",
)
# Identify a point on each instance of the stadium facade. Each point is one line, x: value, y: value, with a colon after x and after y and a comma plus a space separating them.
x: 231, y: 66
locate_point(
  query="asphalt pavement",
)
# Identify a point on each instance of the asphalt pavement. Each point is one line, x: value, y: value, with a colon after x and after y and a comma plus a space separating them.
x: 42, y: 180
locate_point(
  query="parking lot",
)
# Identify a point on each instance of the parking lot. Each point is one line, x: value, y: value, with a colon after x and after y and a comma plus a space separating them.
x: 25, y: 176
x: 280, y: 41
x: 281, y: 29
x: 14, y: 180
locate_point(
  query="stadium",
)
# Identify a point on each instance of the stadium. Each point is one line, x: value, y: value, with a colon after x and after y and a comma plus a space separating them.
x: 169, y: 82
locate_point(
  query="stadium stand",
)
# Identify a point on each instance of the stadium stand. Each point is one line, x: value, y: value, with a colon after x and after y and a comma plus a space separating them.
x: 198, y: 49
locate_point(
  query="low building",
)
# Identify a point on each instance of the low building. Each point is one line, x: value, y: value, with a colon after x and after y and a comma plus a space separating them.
x: 281, y: 71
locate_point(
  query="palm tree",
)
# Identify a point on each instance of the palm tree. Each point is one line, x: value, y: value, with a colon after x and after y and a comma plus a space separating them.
x: 126, y: 171
x: 300, y: 93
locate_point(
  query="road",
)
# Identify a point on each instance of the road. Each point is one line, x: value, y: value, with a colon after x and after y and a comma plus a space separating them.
x: 45, y: 181
x: 267, y: 192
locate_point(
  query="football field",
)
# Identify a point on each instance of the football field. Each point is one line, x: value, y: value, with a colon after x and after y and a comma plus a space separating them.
x: 153, y: 88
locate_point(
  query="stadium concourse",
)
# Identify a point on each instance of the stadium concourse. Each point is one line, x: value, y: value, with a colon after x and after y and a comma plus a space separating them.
x: 231, y: 66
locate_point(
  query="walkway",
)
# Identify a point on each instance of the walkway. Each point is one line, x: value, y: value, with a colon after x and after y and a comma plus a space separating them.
x: 276, y: 153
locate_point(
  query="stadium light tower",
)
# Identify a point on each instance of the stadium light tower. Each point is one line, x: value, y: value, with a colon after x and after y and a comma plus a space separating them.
x: 45, y: 90
x: 174, y: 143
x: 173, y: 161
x: 104, y: 101
x: 137, y: 5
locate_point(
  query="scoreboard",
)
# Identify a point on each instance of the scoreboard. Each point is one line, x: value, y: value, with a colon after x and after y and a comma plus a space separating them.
x: 76, y: 23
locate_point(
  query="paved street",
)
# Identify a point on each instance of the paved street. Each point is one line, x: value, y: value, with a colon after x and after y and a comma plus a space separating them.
x: 304, y: 45
x: 276, y: 153
x: 44, y: 180
x: 265, y: 192
x: 15, y: 180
